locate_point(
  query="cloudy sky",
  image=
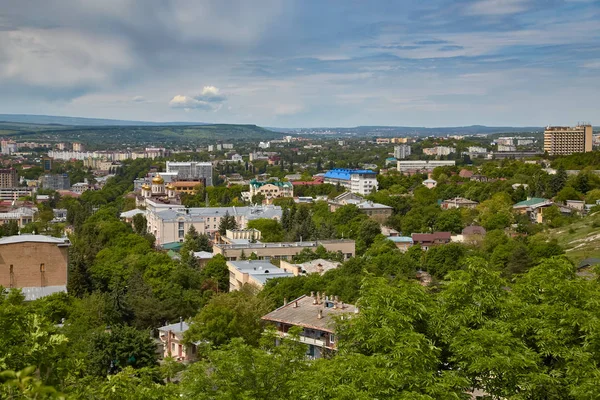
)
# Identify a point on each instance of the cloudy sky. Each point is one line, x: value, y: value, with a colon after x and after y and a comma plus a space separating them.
x: 303, y: 63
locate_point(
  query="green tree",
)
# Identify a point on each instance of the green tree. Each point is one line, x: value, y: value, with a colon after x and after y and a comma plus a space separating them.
x: 230, y: 315
x: 140, y: 225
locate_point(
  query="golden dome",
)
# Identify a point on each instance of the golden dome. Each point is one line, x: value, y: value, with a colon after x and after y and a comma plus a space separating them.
x: 158, y: 180
x: 170, y: 187
x: 145, y: 186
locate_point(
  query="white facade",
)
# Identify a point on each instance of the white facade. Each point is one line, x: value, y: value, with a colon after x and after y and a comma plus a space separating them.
x: 423, y: 165
x: 476, y: 149
x: 363, y: 184
x: 169, y: 223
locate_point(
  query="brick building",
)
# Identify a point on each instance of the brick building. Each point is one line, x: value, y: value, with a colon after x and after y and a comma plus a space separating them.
x: 36, y: 264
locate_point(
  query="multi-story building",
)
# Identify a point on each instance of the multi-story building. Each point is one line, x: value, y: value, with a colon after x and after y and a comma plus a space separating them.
x: 525, y: 141
x: 78, y: 146
x: 421, y: 166
x: 382, y: 140
x: 14, y: 193
x: 55, y: 182
x: 8, y: 178
x: 283, y: 251
x: 507, y: 141
x: 506, y: 147
x: 253, y: 272
x: 46, y: 164
x: 34, y: 263
x: 401, y: 152
x: 170, y: 222
x: 271, y: 190
x: 439, y: 151
x: 8, y: 147
x: 317, y: 316
x: 361, y: 181
x: 476, y: 149
x: 192, y: 171
x: 376, y: 211
x: 561, y: 140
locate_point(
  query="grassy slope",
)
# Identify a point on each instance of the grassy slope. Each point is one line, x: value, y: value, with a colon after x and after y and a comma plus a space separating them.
x: 581, y: 240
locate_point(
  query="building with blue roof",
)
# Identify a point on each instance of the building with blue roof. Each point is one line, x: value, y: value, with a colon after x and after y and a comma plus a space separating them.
x: 361, y: 181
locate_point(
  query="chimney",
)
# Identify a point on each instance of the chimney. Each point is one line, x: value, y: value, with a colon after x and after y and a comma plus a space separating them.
x: 312, y: 294
x: 318, y: 298
x: 320, y: 314
x: 285, y: 301
x: 296, y: 304
x: 181, y: 324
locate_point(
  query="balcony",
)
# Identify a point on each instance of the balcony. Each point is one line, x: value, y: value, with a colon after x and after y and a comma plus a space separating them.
x: 306, y: 340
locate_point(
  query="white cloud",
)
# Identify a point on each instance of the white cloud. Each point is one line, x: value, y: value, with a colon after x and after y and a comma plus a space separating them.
x: 210, y: 99
x: 497, y: 7
x: 138, y: 99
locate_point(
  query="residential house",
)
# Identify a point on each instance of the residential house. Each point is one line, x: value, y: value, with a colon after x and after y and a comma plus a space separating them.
x: 458, y: 202
x: 430, y: 183
x: 270, y: 190
x: 171, y: 338
x: 402, y: 242
x: 534, y: 207
x: 316, y: 316
x: 427, y: 240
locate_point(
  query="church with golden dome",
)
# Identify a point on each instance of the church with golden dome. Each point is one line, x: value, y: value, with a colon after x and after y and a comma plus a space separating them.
x: 157, y: 191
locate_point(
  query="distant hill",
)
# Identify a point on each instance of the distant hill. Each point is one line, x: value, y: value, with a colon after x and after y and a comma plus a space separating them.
x: 77, y: 121
x: 389, y: 131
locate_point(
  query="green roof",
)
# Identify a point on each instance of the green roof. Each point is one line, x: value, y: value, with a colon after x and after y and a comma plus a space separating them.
x: 256, y: 183
x: 175, y: 246
x: 531, y: 202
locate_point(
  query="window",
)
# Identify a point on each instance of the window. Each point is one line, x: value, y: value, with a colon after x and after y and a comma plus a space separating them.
x: 11, y: 269
x: 42, y: 267
x: 332, y: 338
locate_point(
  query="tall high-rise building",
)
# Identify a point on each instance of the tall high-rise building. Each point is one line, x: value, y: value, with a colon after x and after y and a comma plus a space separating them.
x: 191, y: 171
x: 568, y: 140
x: 78, y: 146
x: 402, y: 151
x: 8, y: 178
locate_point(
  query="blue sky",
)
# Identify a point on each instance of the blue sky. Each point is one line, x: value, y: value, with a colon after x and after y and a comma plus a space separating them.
x: 304, y: 63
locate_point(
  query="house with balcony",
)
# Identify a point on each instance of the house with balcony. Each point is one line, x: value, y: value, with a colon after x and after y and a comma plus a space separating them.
x: 316, y: 315
x: 171, y: 339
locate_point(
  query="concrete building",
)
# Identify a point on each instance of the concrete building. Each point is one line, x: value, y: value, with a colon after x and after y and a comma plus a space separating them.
x: 14, y: 193
x: 78, y: 147
x: 439, y: 151
x: 506, y: 147
x: 402, y: 151
x: 284, y: 250
x: 562, y: 140
x: 317, y: 316
x: 361, y: 181
x: 169, y: 223
x: 430, y: 183
x: 423, y: 166
x: 35, y: 264
x: 192, y: 171
x: 477, y: 149
x: 8, y: 147
x: 402, y: 242
x: 55, y: 182
x: 8, y: 178
x: 253, y: 272
x: 376, y: 211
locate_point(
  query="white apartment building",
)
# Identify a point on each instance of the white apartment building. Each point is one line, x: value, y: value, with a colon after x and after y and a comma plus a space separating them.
x: 423, y: 165
x: 476, y: 149
x: 506, y: 147
x: 402, y: 151
x: 361, y: 181
x: 439, y: 151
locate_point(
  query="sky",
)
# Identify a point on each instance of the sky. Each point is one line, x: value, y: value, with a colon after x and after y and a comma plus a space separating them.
x: 304, y: 63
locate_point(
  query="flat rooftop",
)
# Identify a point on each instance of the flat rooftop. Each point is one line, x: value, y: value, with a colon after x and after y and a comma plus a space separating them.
x: 280, y: 244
